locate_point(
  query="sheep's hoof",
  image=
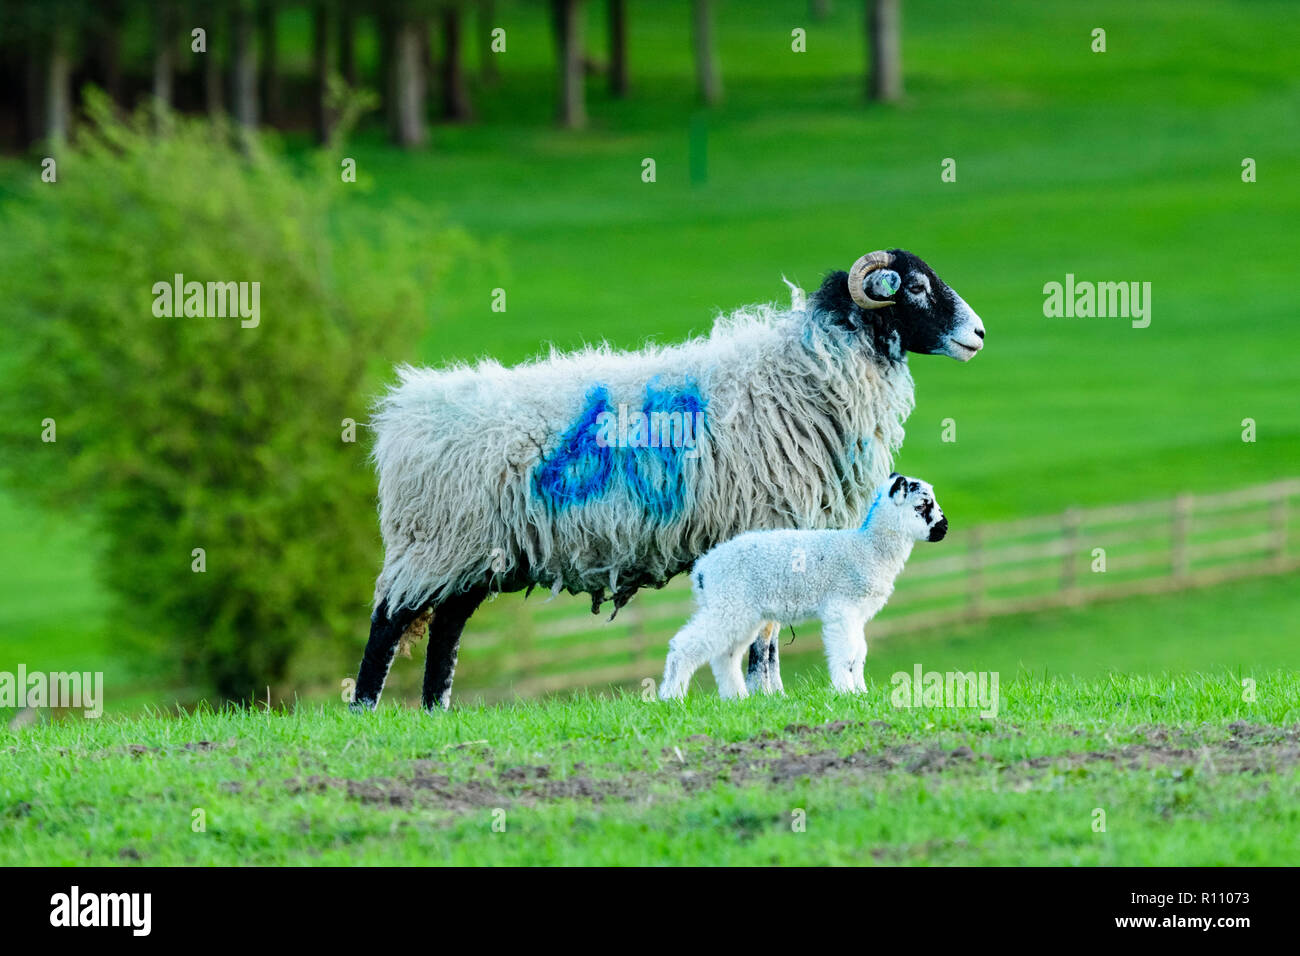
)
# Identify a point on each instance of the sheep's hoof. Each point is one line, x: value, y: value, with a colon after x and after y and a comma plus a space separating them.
x: 362, y: 706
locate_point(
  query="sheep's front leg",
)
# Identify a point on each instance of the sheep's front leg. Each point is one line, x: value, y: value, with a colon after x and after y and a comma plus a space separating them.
x: 764, y: 673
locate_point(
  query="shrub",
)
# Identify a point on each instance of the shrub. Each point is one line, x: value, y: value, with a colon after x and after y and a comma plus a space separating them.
x: 182, y: 433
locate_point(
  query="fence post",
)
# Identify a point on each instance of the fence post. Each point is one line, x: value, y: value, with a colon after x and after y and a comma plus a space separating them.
x: 1181, y: 559
x: 1070, y: 559
x: 975, y: 578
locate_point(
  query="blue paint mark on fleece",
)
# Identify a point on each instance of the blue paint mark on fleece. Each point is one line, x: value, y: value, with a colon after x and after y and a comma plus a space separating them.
x: 654, y: 473
x: 580, y: 468
x: 871, y: 512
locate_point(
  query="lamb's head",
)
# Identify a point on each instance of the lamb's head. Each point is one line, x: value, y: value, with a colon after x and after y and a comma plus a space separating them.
x: 898, y: 300
x: 916, y: 511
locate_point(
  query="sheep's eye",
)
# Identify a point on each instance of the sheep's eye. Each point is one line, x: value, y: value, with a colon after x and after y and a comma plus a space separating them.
x: 916, y: 289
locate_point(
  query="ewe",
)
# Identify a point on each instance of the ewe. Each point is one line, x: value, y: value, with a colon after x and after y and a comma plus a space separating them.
x: 495, y: 479
x: 841, y: 577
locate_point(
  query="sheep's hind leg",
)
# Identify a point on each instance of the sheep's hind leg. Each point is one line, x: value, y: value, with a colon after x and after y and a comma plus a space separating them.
x: 385, y: 631
x: 449, y: 619
x: 764, y: 673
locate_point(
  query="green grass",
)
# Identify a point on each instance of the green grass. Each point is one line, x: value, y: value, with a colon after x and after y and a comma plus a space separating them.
x: 1122, y: 165
x: 1185, y: 771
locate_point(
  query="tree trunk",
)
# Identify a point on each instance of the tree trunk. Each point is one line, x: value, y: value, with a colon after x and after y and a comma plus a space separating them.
x: 164, y: 53
x: 107, y: 47
x: 214, y: 98
x: 487, y: 16
x: 320, y: 33
x: 568, y: 37
x: 618, y: 48
x: 884, y: 36
x: 455, y: 92
x: 347, y: 45
x: 707, y: 78
x: 33, y: 100
x: 244, y: 66
x: 386, y: 81
x: 409, y: 82
x: 58, y: 87
x: 266, y: 13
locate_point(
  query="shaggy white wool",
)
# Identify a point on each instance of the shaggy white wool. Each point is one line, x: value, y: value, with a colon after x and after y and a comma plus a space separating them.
x: 802, y: 422
x: 842, y: 577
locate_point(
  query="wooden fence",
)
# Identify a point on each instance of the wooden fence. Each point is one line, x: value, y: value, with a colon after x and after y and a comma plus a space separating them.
x: 1070, y: 559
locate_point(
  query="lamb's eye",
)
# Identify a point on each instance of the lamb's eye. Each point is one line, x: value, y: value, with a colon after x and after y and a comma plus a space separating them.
x: 916, y: 289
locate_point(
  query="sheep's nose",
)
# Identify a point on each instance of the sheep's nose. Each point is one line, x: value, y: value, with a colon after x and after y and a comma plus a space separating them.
x: 939, y: 530
x: 979, y: 330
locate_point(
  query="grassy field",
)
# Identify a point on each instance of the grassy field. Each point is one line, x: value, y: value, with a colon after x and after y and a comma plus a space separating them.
x: 1178, y: 770
x: 1117, y: 166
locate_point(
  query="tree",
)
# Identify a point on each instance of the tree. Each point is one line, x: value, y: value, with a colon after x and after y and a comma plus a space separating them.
x: 455, y: 90
x: 707, y: 78
x: 884, y: 28
x: 347, y: 44
x: 164, y: 52
x: 270, y: 85
x: 487, y: 22
x: 409, y: 81
x: 567, y: 21
x: 237, y: 517
x: 243, y: 64
x: 321, y: 17
x: 618, y: 48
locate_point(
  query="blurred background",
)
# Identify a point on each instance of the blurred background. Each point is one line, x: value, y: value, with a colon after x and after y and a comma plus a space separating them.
x: 503, y: 145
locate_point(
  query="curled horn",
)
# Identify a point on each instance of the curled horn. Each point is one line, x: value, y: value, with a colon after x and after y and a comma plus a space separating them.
x: 863, y: 268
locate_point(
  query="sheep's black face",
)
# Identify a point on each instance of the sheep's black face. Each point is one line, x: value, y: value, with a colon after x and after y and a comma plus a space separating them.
x: 925, y: 316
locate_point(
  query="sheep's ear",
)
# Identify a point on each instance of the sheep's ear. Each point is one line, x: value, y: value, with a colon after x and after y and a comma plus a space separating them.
x: 900, y: 484
x: 882, y: 284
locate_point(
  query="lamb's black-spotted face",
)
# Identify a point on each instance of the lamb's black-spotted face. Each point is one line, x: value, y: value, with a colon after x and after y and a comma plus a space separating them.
x: 921, y: 514
x: 924, y: 316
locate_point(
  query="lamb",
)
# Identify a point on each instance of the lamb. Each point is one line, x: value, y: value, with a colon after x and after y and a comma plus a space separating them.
x: 842, y: 577
x: 604, y: 471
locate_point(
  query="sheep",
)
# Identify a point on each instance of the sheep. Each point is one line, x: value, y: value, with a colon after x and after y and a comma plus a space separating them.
x: 842, y: 577
x: 604, y: 471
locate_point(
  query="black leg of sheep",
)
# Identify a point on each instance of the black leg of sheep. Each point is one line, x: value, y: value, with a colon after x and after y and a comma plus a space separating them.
x: 449, y: 619
x: 385, y: 632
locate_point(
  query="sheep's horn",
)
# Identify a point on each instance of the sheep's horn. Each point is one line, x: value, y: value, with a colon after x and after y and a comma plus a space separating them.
x: 863, y: 268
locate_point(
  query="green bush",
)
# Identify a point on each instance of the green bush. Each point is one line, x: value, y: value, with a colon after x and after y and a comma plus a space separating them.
x: 183, y: 433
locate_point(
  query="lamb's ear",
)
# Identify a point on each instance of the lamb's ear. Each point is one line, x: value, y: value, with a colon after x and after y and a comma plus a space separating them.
x: 900, y: 484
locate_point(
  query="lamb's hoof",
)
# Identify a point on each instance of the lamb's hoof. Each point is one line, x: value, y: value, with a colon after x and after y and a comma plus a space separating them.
x: 364, y: 706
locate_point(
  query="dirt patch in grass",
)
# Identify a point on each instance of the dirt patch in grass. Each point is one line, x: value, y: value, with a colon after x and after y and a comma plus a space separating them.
x: 801, y: 753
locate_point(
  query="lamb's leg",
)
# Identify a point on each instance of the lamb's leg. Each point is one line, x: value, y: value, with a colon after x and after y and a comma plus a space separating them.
x: 385, y: 631
x: 858, y: 664
x: 774, y: 660
x: 727, y: 673
x: 694, y: 644
x: 449, y: 619
x: 764, y: 673
x: 841, y: 632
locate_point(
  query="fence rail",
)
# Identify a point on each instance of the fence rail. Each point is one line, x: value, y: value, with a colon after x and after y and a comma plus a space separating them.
x: 1070, y: 559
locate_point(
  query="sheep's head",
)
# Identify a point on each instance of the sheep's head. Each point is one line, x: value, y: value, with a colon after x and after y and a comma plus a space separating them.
x: 897, y: 298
